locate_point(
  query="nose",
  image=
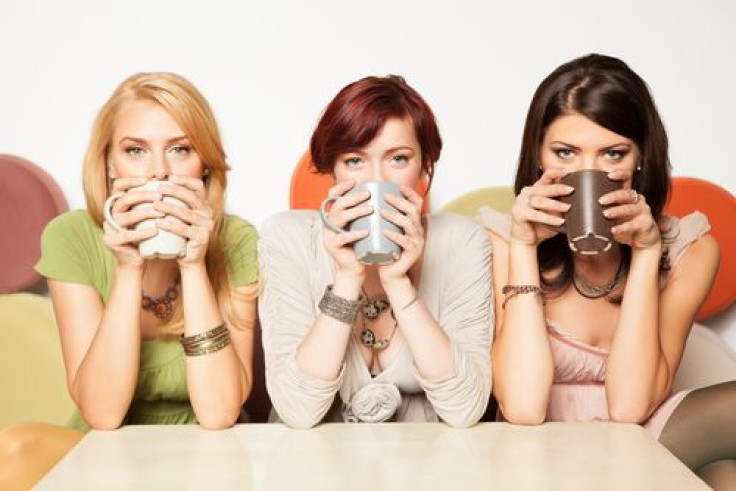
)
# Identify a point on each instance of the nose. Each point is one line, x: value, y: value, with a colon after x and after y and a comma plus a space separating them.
x: 375, y: 172
x: 588, y: 162
x: 159, y: 166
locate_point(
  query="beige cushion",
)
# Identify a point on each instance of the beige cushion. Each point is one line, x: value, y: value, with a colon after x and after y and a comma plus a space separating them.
x: 500, y: 198
x: 707, y: 360
x: 32, y: 379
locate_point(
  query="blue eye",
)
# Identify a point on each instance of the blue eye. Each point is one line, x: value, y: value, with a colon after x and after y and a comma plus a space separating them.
x: 400, y: 159
x: 134, y: 151
x: 616, y: 155
x: 352, y: 161
x: 181, y: 149
x: 564, y: 153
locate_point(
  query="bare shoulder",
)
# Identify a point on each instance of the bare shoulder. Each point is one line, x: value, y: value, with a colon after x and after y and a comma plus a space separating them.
x: 701, y: 258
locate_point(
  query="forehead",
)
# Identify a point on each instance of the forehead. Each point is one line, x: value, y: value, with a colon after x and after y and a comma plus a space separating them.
x: 576, y: 129
x: 396, y: 131
x: 144, y: 118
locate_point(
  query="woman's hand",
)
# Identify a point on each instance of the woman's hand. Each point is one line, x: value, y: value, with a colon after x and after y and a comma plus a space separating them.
x: 536, y: 215
x: 345, y: 209
x: 196, y: 218
x: 635, y: 225
x: 126, y: 213
x: 411, y: 241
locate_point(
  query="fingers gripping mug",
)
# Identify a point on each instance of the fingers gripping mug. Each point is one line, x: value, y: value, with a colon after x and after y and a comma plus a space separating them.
x: 375, y: 248
x: 163, y: 245
x: 588, y: 230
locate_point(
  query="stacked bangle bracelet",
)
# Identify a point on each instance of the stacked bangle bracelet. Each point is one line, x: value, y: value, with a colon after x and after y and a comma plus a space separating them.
x: 340, y: 308
x: 207, y: 342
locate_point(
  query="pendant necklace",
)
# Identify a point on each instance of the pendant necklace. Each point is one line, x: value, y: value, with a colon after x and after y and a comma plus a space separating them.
x: 161, y: 306
x: 372, y: 309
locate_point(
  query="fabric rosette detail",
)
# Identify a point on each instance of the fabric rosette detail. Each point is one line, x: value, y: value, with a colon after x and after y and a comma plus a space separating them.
x: 372, y: 403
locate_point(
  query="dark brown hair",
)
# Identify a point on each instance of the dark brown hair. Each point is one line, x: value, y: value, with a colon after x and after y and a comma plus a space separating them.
x: 358, y: 112
x: 605, y: 90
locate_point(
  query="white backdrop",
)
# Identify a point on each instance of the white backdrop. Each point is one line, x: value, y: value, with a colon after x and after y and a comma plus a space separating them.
x: 269, y: 68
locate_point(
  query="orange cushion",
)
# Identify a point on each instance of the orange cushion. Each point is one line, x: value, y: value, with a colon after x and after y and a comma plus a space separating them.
x: 309, y: 189
x: 690, y: 194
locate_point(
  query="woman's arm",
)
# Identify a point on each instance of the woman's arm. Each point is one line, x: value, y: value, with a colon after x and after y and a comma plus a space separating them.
x: 101, y: 346
x: 289, y: 261
x: 218, y: 383
x: 428, y: 342
x: 522, y: 359
x: 653, y: 328
x: 451, y: 353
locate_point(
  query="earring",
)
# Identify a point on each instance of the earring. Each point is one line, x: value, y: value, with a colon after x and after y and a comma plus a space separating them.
x: 638, y: 168
x: 206, y: 171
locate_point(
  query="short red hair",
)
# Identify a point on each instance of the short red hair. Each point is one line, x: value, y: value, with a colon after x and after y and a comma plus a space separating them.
x: 358, y: 112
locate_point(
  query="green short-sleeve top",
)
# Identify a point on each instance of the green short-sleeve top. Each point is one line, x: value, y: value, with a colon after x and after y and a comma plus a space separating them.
x: 72, y: 251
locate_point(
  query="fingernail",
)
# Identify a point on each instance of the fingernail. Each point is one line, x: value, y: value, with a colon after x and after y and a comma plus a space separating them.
x: 606, y: 213
x: 570, y: 189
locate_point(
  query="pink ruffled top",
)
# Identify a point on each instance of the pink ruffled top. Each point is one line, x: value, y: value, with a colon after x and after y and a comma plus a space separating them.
x: 578, y: 391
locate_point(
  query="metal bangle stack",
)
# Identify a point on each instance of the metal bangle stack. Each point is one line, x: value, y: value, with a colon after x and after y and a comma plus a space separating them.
x: 207, y: 342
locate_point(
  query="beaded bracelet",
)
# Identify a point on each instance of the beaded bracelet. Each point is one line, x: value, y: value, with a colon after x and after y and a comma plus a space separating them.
x: 206, y: 342
x: 510, y: 291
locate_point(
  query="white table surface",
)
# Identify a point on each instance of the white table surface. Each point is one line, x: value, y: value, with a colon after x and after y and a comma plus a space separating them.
x: 407, y: 457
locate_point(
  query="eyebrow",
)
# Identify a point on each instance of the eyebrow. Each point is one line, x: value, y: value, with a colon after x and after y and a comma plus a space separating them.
x: 143, y: 140
x: 400, y: 147
x: 609, y: 147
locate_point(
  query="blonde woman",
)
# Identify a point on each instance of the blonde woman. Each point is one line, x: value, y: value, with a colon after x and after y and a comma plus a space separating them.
x: 126, y: 322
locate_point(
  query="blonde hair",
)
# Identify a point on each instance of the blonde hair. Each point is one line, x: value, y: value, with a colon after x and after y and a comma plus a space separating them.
x: 192, y: 113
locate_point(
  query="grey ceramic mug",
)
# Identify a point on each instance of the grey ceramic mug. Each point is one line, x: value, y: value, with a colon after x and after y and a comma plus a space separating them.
x: 375, y: 248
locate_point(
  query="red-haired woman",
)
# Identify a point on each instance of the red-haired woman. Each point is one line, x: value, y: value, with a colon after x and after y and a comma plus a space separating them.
x: 403, y: 341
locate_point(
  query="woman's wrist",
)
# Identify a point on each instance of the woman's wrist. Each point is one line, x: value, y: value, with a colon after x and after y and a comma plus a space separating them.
x: 399, y: 291
x: 651, y: 254
x: 193, y: 270
x: 521, y: 244
x: 348, y: 284
x: 129, y: 270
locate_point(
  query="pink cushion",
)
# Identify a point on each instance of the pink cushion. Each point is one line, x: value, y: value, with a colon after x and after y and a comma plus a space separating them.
x: 29, y: 198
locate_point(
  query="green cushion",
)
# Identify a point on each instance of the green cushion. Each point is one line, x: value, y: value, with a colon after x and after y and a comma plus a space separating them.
x: 32, y: 378
x: 500, y: 197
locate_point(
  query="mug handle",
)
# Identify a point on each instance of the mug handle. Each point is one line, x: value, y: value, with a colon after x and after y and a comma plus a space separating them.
x: 107, y: 212
x: 325, y: 218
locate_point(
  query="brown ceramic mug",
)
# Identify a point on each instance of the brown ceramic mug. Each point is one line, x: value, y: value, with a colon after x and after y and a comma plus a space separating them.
x: 588, y: 230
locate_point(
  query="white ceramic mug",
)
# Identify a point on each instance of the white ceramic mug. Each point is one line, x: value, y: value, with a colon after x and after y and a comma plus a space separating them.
x: 163, y: 245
